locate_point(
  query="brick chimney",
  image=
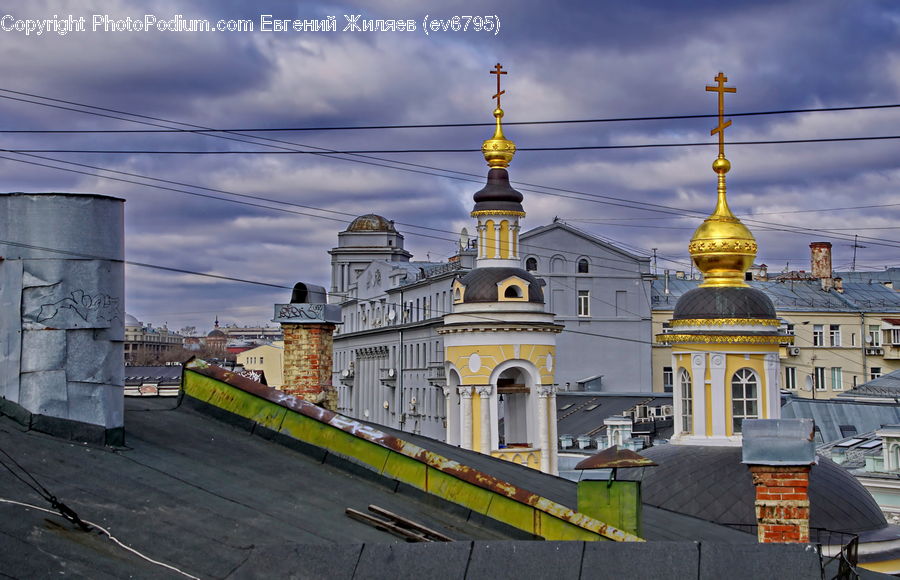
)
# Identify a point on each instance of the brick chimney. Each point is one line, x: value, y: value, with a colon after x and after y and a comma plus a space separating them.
x: 308, y: 324
x: 779, y: 453
x: 820, y: 263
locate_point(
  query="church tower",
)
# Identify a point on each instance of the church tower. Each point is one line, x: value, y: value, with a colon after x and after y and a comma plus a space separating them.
x: 499, y: 342
x: 724, y: 334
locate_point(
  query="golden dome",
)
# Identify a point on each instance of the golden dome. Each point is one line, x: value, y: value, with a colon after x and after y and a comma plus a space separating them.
x: 498, y: 151
x: 722, y: 247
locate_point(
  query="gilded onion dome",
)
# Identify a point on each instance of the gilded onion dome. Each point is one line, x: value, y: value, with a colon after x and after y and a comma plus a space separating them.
x: 722, y: 247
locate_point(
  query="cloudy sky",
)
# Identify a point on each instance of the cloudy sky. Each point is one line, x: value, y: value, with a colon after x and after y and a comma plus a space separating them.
x: 580, y: 60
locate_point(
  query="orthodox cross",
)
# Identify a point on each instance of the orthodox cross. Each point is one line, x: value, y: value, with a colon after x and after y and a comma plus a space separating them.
x: 723, y: 124
x: 498, y: 70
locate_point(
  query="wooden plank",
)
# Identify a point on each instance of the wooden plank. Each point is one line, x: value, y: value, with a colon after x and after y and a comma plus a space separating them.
x: 432, y: 534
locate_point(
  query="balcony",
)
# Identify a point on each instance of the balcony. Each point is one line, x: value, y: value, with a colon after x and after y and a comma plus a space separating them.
x: 436, y: 375
x: 388, y: 375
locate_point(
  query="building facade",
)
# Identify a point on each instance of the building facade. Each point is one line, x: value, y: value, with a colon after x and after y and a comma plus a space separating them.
x: 145, y: 343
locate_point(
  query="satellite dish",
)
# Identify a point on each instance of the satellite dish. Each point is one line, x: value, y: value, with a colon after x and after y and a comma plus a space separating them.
x: 463, y: 239
x: 392, y: 315
x: 809, y: 384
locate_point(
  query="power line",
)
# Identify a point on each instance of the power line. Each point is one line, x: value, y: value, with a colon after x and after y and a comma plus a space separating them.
x: 426, y: 125
x: 470, y: 150
x: 330, y: 153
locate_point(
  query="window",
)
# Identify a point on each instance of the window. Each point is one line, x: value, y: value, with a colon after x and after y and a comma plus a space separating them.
x: 744, y: 388
x: 895, y: 336
x: 874, y: 373
x: 531, y: 264
x: 789, y: 329
x: 513, y: 292
x: 584, y: 303
x: 818, y: 335
x: 819, y: 378
x: 834, y: 335
x: 837, y: 379
x: 583, y: 266
x: 261, y: 360
x: 687, y: 402
x: 874, y: 335
x: 790, y: 378
x: 668, y: 379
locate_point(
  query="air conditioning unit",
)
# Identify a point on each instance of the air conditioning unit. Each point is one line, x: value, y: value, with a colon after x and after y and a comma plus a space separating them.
x: 392, y: 373
x: 874, y: 350
x: 347, y: 373
x: 794, y: 351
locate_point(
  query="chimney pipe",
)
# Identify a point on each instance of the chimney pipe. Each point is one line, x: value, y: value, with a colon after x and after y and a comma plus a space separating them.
x: 820, y: 263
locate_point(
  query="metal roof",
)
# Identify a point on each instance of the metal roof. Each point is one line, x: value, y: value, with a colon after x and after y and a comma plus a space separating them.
x: 794, y: 295
x: 830, y: 414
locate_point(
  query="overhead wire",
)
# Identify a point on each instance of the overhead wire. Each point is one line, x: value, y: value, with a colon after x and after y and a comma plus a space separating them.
x: 329, y: 152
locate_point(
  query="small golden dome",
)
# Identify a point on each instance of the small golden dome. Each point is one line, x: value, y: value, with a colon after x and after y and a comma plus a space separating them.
x: 722, y: 247
x: 498, y: 151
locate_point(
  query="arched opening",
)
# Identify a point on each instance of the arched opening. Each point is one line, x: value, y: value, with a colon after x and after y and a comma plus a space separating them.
x: 687, y: 402
x: 583, y: 266
x: 513, y: 291
x: 744, y: 393
x: 557, y: 264
x: 504, y: 239
x: 490, y: 240
x: 531, y: 264
x: 513, y: 413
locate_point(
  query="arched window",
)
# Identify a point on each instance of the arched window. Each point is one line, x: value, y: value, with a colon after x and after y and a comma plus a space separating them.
x: 744, y: 393
x: 513, y: 291
x: 531, y: 264
x: 583, y: 266
x: 687, y: 402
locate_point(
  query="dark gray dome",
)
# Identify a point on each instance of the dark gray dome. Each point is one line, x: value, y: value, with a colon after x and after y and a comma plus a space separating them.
x: 728, y: 302
x: 481, y: 284
x: 711, y: 483
x: 498, y: 194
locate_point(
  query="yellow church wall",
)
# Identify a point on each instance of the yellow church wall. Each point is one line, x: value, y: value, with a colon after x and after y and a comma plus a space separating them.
x: 490, y: 239
x: 494, y: 354
x: 504, y: 239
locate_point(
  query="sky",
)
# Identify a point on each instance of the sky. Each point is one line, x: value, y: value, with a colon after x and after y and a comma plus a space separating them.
x: 572, y: 61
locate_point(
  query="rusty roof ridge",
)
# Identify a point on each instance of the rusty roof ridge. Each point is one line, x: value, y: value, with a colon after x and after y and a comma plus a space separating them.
x: 411, y: 450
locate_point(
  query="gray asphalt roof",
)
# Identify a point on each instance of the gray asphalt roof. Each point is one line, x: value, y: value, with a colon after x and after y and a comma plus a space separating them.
x: 193, y: 492
x: 658, y: 524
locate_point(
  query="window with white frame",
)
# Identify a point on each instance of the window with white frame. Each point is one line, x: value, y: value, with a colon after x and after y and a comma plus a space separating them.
x: 818, y: 335
x: 874, y: 335
x: 744, y: 394
x: 584, y: 303
x: 687, y: 402
x: 790, y: 378
x: 834, y: 335
x: 837, y: 379
x: 819, y: 378
x: 668, y: 379
x: 874, y: 373
x: 895, y: 336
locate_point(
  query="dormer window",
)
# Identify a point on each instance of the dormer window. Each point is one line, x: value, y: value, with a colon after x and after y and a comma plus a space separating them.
x: 513, y: 292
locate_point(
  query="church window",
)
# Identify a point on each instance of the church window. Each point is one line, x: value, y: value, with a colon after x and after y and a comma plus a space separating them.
x: 513, y: 291
x: 531, y: 264
x: 687, y: 402
x: 744, y: 393
x: 583, y: 266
